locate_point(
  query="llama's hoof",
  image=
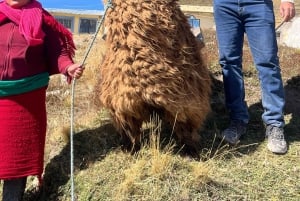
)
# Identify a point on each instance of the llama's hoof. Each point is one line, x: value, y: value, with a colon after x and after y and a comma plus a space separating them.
x: 190, y: 152
x: 128, y: 146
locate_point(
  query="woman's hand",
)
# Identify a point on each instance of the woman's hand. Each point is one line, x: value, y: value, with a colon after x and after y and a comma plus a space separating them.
x: 75, y: 70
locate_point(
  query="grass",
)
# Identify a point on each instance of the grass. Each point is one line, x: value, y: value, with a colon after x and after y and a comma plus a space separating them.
x: 103, y: 172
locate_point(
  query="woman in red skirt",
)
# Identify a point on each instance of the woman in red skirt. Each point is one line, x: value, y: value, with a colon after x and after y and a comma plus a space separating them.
x: 33, y: 46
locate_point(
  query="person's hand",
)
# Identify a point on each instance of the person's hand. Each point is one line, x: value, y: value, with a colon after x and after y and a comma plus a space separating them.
x: 287, y: 10
x: 75, y: 70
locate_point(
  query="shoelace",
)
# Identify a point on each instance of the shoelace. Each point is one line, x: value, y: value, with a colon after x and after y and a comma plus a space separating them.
x: 233, y: 129
x: 276, y: 133
x: 234, y: 126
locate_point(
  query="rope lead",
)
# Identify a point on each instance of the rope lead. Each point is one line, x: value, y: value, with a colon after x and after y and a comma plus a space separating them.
x: 109, y: 5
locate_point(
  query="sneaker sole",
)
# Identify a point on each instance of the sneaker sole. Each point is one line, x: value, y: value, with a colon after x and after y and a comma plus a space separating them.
x: 276, y: 150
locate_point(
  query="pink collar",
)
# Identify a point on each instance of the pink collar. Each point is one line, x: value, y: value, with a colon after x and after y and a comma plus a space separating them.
x: 29, y: 19
x: 2, y: 18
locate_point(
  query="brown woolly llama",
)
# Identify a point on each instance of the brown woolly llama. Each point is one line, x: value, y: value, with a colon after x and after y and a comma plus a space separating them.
x: 153, y: 63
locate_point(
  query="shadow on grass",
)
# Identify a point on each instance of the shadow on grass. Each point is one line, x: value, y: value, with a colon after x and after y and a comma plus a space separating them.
x: 256, y: 129
x: 89, y: 146
x: 292, y: 108
x: 219, y: 120
x: 255, y: 135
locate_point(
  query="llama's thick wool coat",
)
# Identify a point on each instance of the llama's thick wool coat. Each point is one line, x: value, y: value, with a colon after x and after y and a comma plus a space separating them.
x: 153, y: 61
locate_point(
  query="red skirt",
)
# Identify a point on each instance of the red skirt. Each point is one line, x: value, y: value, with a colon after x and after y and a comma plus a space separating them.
x: 22, y: 134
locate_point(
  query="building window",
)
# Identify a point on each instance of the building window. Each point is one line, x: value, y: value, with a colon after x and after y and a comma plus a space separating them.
x: 68, y: 22
x: 193, y: 21
x: 87, y: 25
x: 195, y: 27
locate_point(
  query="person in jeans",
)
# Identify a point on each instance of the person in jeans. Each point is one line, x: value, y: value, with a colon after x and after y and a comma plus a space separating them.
x: 33, y: 46
x: 233, y: 19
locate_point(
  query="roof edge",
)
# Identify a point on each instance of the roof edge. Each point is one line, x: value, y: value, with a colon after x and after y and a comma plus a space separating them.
x: 75, y: 11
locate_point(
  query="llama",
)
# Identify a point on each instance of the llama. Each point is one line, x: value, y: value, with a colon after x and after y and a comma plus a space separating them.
x: 153, y: 62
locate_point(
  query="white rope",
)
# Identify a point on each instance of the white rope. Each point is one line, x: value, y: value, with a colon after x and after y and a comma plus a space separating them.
x: 109, y: 5
x: 71, y: 141
x: 278, y: 26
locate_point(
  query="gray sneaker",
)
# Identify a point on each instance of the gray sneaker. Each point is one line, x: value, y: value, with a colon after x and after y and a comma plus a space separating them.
x: 276, y: 141
x: 236, y: 129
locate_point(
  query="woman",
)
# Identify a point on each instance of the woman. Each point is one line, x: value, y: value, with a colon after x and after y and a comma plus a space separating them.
x: 33, y: 46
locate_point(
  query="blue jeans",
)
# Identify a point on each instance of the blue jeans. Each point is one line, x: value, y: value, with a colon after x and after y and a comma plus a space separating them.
x: 255, y: 18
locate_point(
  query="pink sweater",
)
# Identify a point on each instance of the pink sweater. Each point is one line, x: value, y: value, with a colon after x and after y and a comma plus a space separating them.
x: 18, y: 60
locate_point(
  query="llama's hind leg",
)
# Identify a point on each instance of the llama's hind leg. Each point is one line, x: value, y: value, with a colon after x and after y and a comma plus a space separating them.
x: 188, y: 137
x: 125, y: 141
x: 131, y: 135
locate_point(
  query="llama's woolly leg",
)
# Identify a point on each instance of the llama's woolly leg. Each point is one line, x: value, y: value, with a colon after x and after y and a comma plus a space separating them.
x: 131, y: 135
x: 188, y: 137
x: 126, y: 143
